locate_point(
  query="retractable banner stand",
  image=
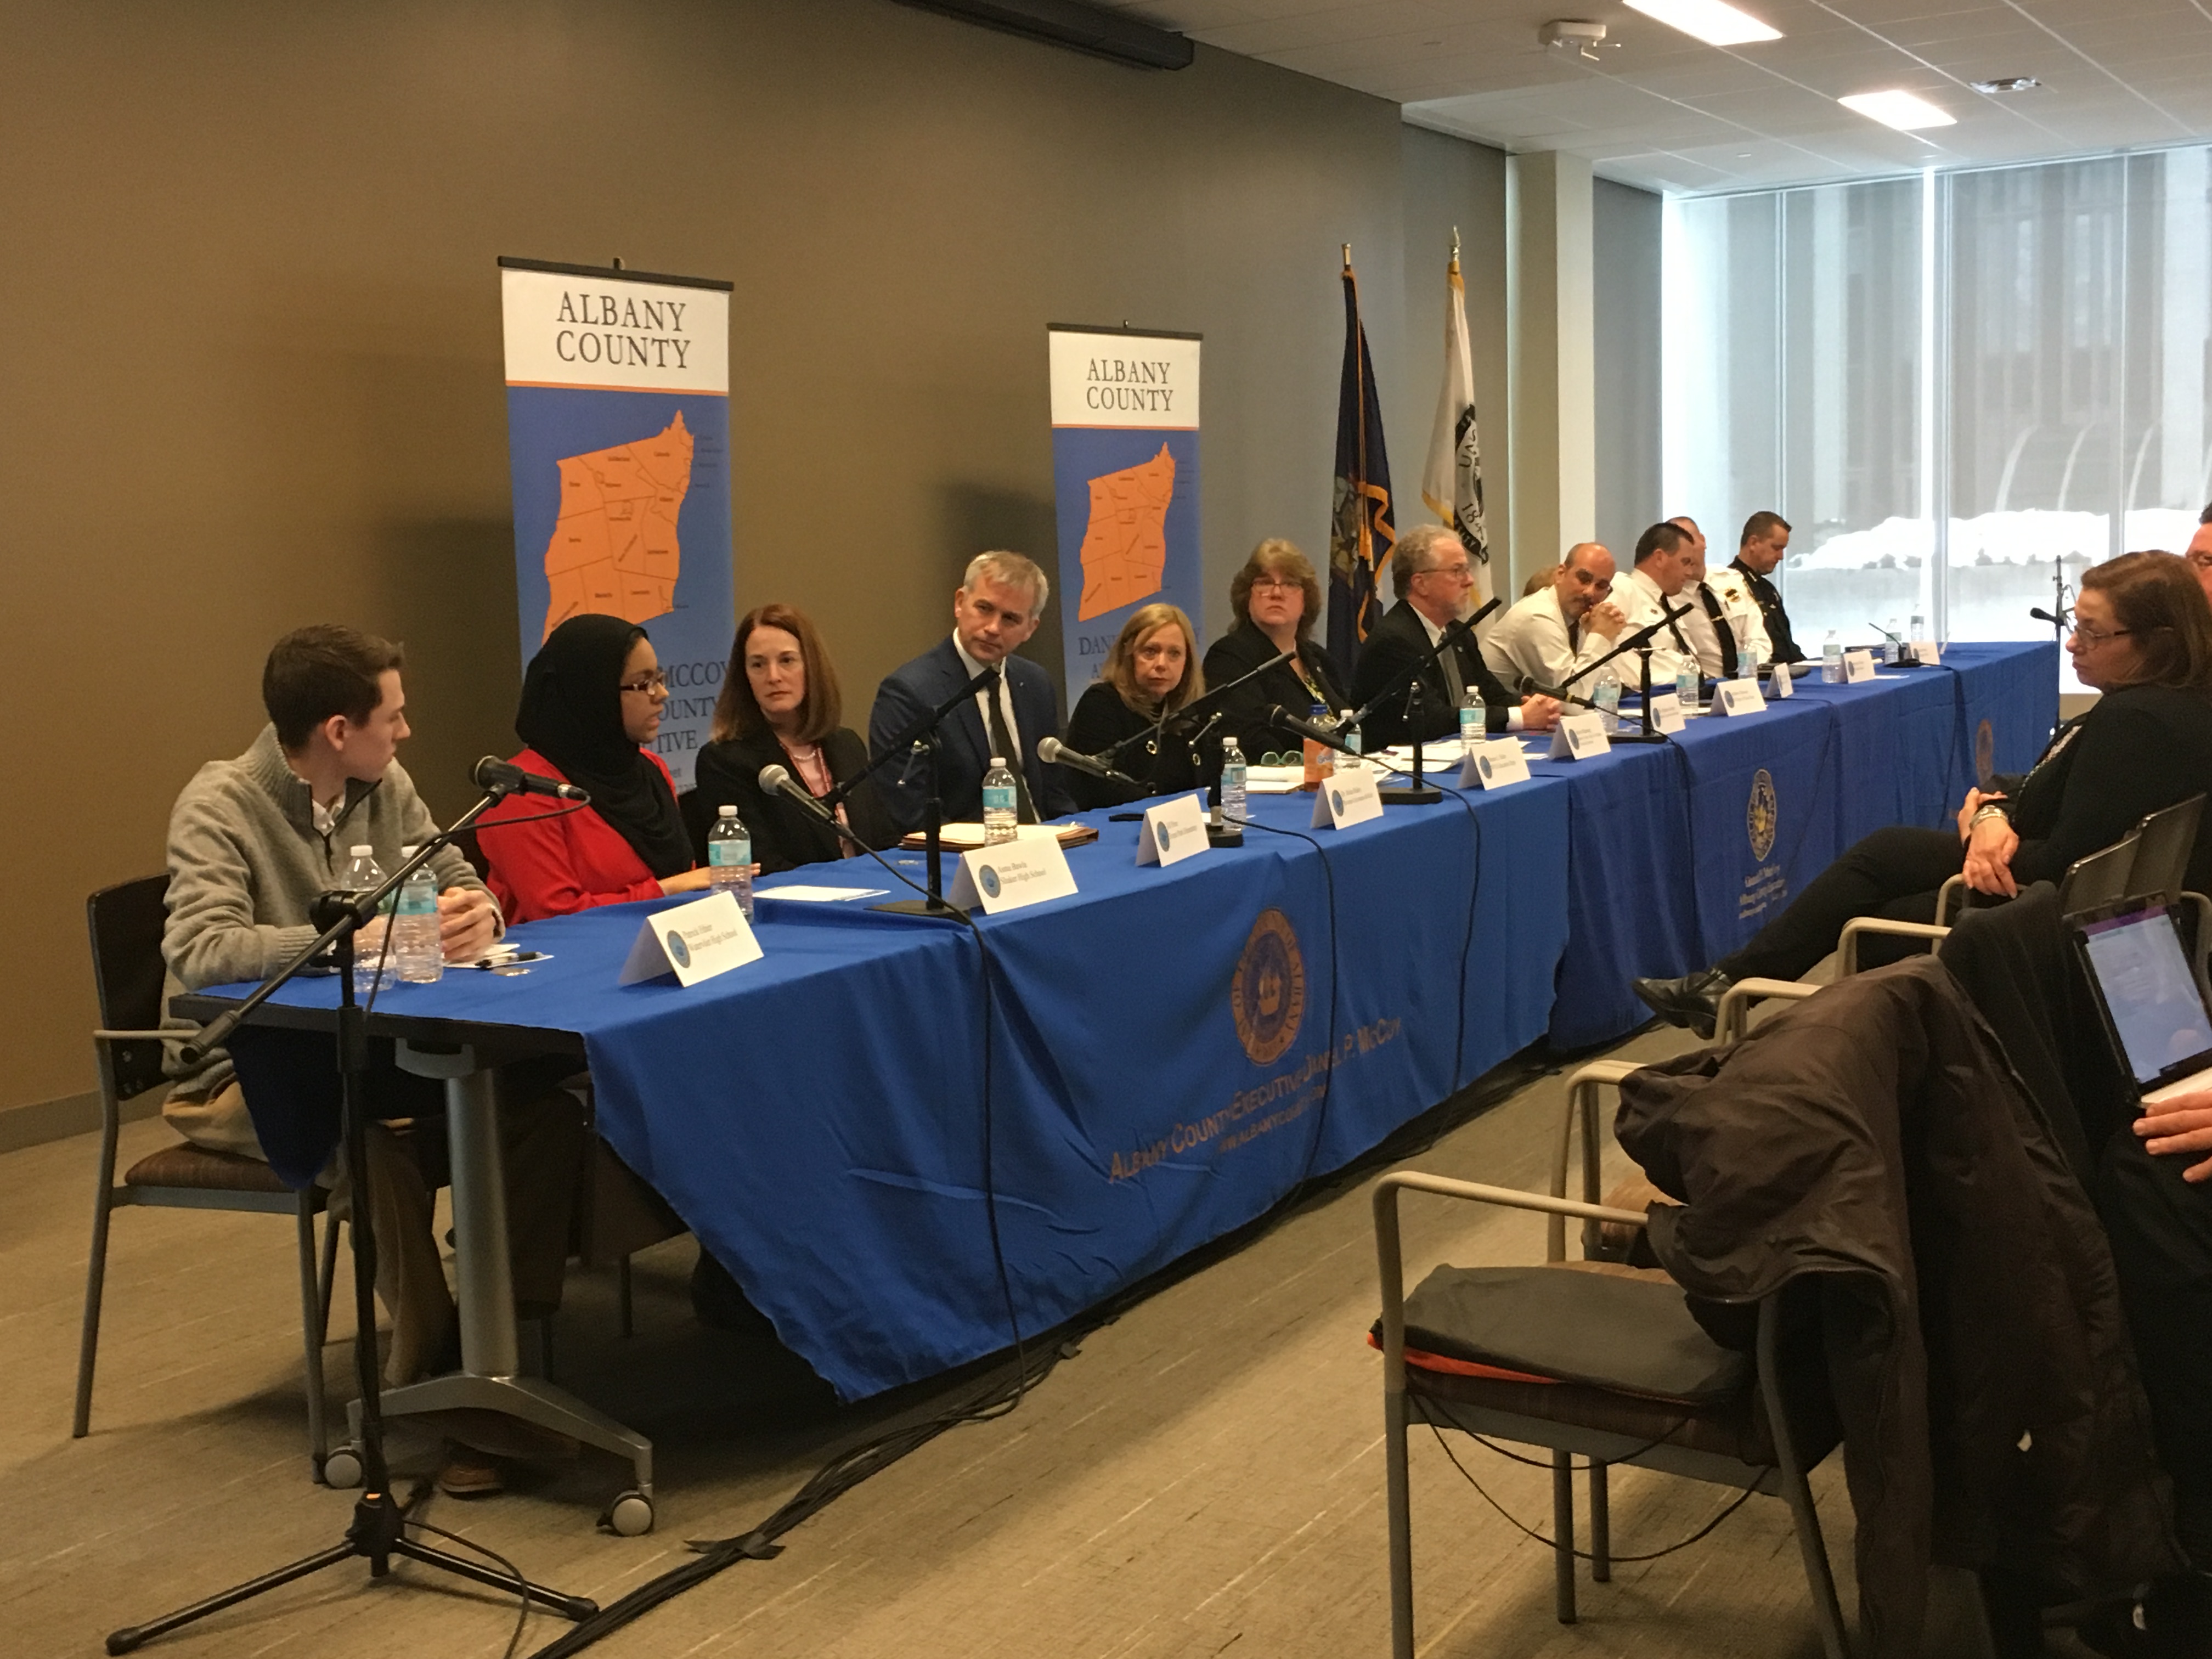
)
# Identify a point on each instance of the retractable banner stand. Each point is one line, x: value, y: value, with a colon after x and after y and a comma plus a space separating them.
x: 1125, y: 480
x: 618, y: 436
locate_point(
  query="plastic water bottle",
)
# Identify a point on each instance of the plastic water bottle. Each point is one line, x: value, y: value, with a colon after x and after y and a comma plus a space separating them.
x: 1232, y: 780
x: 1471, y: 723
x: 415, y: 942
x: 1002, y: 809
x: 730, y: 858
x: 1831, y: 659
x: 363, y: 874
x: 1686, y: 688
x: 1889, y: 646
x: 1919, y: 633
x: 1606, y: 696
x: 1351, y: 735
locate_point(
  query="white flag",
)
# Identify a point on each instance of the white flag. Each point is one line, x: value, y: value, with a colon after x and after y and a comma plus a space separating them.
x: 1451, y: 483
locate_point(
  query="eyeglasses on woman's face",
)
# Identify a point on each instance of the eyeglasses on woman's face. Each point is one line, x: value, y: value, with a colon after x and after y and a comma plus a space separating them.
x: 648, y: 685
x: 2088, y: 639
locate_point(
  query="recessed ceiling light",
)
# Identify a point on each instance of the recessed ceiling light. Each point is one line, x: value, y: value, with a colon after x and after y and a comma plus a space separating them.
x: 1905, y: 111
x: 1713, y: 22
x: 2005, y: 83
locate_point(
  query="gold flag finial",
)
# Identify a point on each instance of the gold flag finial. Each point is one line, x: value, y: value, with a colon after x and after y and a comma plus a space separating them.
x: 1347, y: 256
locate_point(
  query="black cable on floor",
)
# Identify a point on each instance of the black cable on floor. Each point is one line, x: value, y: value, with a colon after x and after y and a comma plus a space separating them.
x: 1579, y: 1555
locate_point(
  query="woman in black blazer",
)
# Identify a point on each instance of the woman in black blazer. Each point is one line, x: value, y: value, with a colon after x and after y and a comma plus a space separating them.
x: 1277, y: 599
x: 779, y: 707
x: 1150, y: 672
x: 2142, y: 636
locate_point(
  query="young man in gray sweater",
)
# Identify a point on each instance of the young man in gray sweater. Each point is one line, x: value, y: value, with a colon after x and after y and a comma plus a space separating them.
x: 253, y: 842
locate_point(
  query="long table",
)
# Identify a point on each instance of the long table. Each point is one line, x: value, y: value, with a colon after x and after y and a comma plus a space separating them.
x: 1171, y: 1051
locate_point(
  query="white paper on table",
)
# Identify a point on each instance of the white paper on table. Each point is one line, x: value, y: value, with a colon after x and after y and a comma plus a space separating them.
x: 806, y: 895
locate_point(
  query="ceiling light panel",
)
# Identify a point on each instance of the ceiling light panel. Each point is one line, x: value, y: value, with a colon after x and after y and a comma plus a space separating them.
x: 1905, y: 111
x: 1713, y: 22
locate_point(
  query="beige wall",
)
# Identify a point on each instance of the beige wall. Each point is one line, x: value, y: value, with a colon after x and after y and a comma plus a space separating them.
x: 253, y: 377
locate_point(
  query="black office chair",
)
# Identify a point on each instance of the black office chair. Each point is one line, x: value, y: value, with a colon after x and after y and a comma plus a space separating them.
x: 126, y: 924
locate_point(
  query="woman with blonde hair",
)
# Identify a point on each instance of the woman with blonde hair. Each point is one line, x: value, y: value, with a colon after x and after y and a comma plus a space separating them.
x: 1277, y: 599
x: 1150, y: 672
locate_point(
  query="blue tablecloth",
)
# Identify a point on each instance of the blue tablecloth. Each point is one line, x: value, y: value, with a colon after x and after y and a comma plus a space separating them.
x: 1678, y: 853
x: 1172, y: 1051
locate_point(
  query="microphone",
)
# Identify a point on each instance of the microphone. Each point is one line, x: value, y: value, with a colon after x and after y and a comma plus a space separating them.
x: 1283, y: 720
x: 777, y: 781
x: 1530, y: 686
x: 1052, y: 752
x: 497, y: 777
x: 2041, y: 615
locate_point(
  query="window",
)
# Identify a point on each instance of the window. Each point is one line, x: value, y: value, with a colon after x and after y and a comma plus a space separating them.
x: 1957, y: 387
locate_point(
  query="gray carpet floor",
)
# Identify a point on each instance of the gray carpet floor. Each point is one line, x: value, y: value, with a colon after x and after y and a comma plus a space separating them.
x: 1204, y: 1477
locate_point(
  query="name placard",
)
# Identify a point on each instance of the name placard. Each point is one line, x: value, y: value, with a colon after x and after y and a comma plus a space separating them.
x: 1930, y: 652
x: 1580, y: 737
x: 1494, y: 765
x: 1738, y: 697
x: 1346, y: 797
x: 1858, y: 667
x: 1666, y: 712
x: 1026, y: 871
x: 1783, y: 682
x: 694, y: 941
x: 1172, y: 831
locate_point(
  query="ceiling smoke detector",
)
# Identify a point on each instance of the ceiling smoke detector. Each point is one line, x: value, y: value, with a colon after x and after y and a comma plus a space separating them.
x: 1571, y: 34
x: 2005, y: 83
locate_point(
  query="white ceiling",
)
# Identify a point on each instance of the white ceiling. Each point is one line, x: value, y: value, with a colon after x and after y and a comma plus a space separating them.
x: 1669, y: 113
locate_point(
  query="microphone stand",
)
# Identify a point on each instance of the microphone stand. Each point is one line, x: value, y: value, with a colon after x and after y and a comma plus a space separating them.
x: 1642, y: 637
x: 1416, y: 794
x: 921, y: 734
x: 379, y: 1528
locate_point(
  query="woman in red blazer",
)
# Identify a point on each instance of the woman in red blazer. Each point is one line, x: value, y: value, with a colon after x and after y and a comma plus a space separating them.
x: 591, y: 702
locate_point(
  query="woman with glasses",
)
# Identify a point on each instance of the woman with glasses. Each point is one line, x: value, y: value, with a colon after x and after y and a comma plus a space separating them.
x: 1152, y: 671
x: 2142, y: 637
x: 781, y: 706
x: 1277, y: 599
x: 592, y: 701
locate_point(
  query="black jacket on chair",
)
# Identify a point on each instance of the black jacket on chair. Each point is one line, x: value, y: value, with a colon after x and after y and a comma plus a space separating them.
x: 908, y: 692
x: 1400, y: 638
x: 785, y: 834
x: 2138, y: 749
x: 1245, y: 711
x: 1102, y: 720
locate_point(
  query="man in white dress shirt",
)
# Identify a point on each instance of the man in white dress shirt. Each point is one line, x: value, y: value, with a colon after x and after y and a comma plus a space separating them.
x: 1563, y: 627
x: 1663, y: 562
x: 1725, y: 630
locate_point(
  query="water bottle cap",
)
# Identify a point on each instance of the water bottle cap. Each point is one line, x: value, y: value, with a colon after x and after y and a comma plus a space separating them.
x: 728, y: 812
x: 363, y: 851
x: 408, y: 851
x: 998, y: 760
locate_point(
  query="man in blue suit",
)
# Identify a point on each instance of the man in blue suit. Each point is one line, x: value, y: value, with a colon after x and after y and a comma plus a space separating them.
x: 996, y: 607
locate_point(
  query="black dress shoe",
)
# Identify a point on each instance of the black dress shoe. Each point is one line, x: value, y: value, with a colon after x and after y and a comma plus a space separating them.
x: 1693, y: 1001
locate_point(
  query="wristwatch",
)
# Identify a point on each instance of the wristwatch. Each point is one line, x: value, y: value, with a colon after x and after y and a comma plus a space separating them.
x: 1992, y: 810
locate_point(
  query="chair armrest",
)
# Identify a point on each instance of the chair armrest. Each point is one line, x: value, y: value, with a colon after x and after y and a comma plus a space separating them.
x: 1736, y: 1003
x: 1390, y: 1259
x: 1955, y: 887
x: 1848, y: 947
x: 1581, y: 1114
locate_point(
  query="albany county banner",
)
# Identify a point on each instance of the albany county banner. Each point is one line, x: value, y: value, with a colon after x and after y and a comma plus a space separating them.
x: 618, y: 437
x: 1125, y: 480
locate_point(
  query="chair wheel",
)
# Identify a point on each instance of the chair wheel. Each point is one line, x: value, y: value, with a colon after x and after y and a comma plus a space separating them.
x: 630, y: 1516
x: 342, y: 1469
